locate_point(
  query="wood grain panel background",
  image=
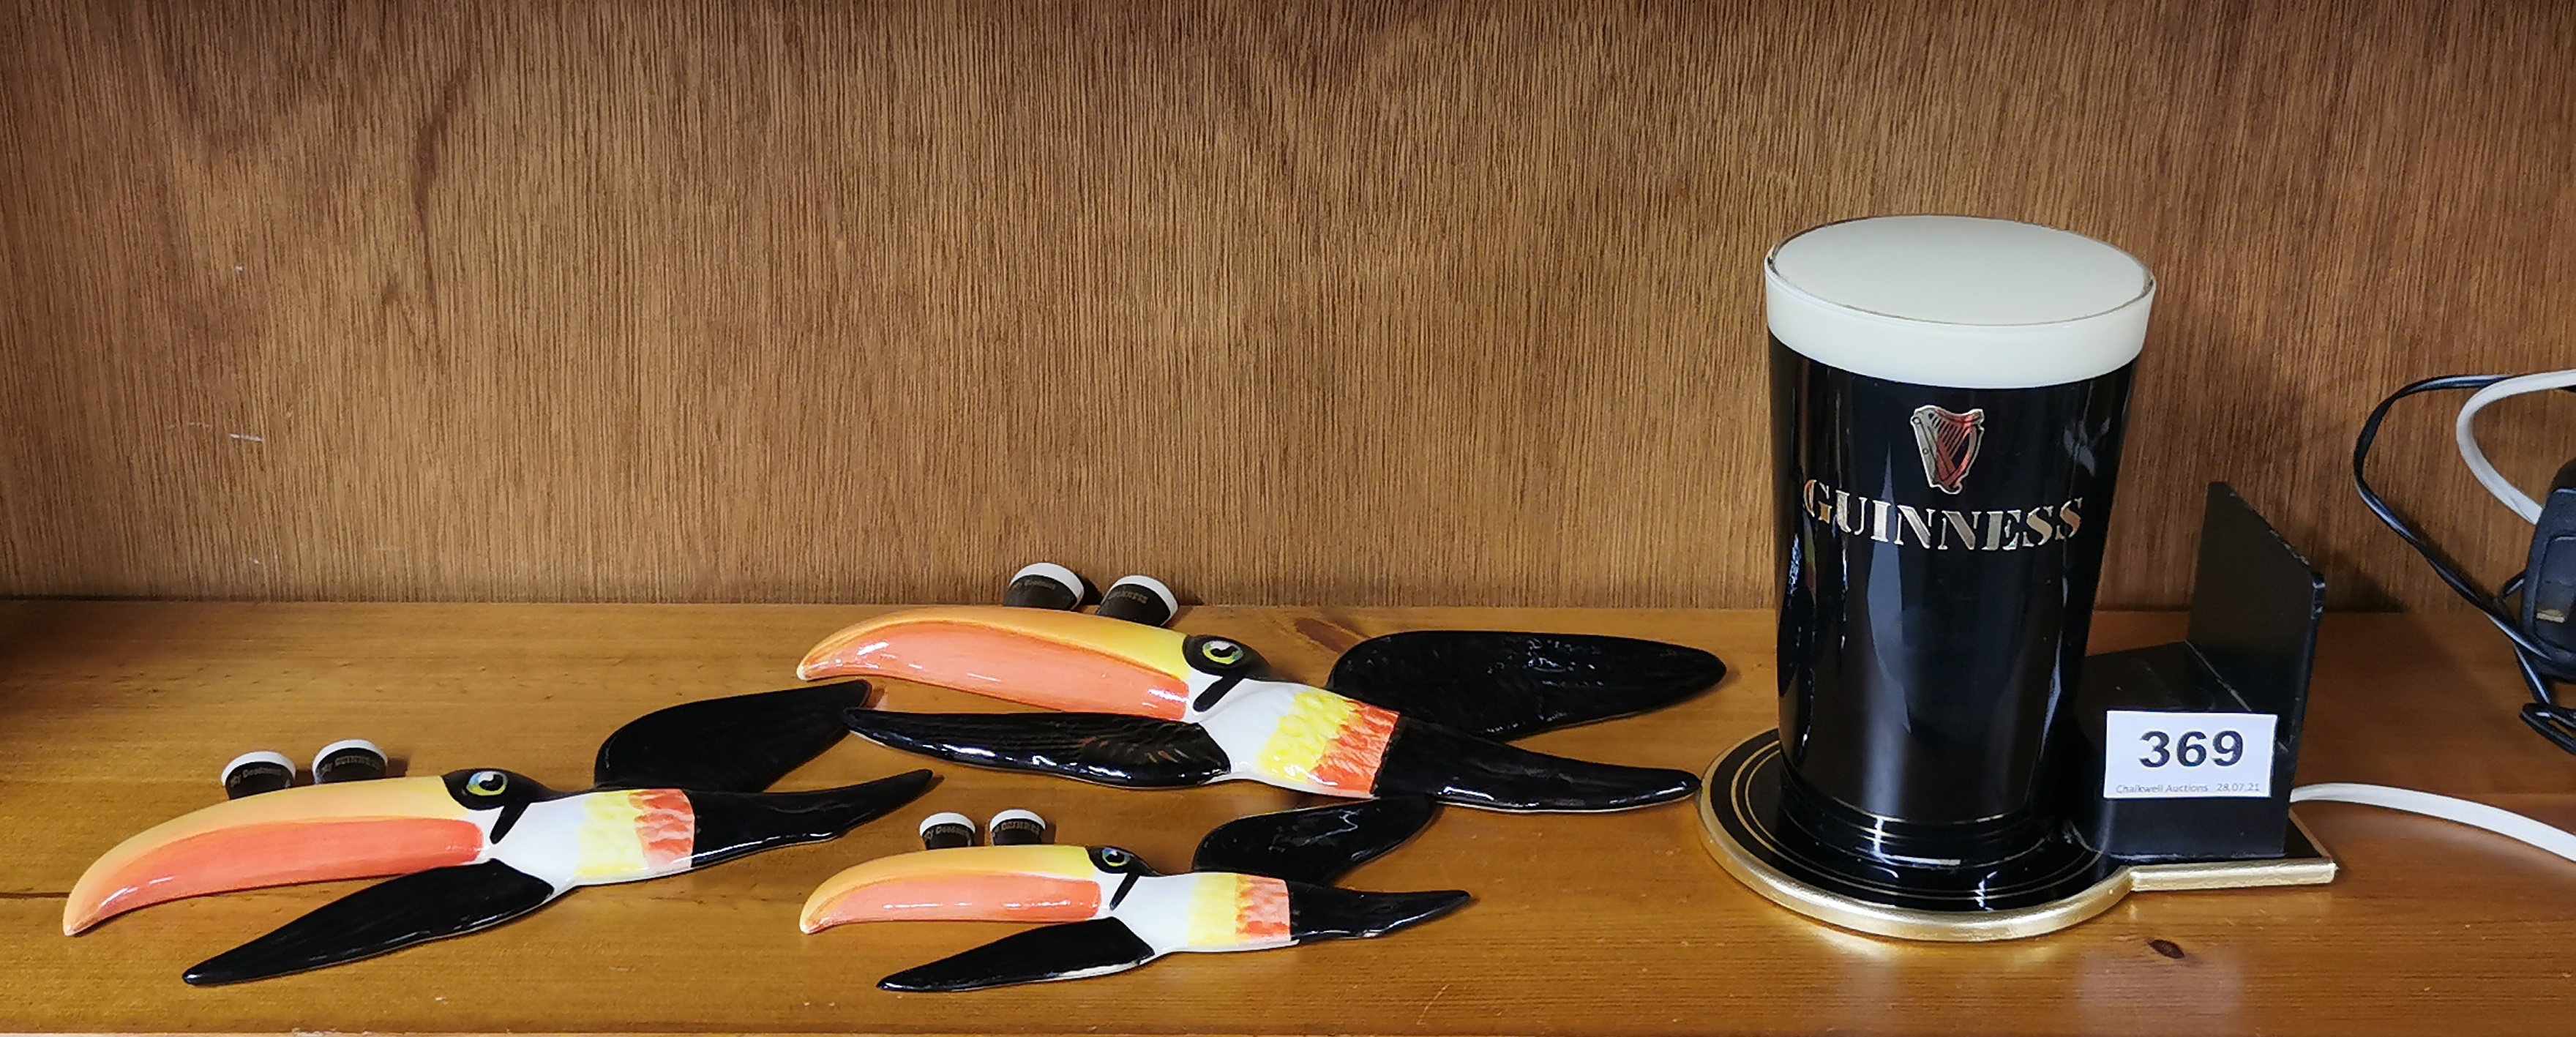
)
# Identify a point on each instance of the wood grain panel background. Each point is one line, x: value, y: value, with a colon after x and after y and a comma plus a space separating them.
x: 1354, y: 303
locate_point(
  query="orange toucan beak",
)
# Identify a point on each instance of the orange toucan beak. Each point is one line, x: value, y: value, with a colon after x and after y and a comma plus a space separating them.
x: 1059, y: 660
x: 362, y: 829
x: 961, y: 884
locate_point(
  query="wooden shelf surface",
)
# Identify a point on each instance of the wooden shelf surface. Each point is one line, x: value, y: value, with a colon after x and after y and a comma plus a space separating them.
x: 115, y: 716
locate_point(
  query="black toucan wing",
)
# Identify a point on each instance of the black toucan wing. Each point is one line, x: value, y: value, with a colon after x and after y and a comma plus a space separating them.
x: 1426, y: 759
x: 1071, y: 951
x: 1102, y: 748
x: 1316, y: 845
x: 738, y: 824
x: 1318, y: 913
x: 1507, y: 685
x: 381, y: 918
x: 743, y: 743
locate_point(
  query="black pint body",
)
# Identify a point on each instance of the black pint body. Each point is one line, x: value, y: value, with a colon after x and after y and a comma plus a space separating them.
x: 1939, y: 549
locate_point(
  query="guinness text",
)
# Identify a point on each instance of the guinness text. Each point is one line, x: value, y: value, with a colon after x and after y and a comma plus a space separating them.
x: 1942, y: 529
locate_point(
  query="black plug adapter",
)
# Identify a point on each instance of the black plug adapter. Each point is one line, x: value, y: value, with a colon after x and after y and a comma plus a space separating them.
x: 2549, y: 583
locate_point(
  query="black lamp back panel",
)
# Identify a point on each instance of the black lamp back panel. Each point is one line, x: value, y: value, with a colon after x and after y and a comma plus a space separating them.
x: 2252, y: 642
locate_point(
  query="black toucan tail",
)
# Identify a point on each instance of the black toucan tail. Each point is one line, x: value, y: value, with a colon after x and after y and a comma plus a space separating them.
x: 1326, y: 913
x: 737, y: 824
x: 1428, y: 759
x: 1504, y: 686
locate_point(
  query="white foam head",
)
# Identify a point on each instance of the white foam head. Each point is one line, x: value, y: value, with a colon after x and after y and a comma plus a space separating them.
x: 1958, y: 301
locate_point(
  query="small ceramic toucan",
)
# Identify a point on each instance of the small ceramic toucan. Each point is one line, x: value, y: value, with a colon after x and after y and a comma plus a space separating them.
x: 1405, y: 714
x: 1257, y: 883
x: 676, y: 789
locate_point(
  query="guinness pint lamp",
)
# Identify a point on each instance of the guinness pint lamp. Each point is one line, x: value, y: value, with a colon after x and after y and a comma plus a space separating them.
x: 1947, y: 396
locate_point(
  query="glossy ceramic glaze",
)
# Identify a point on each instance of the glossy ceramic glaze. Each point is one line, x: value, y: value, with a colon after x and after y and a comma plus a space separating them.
x: 1039, y: 657
x: 1258, y: 883
x: 1159, y: 709
x: 1936, y: 593
x: 1504, y: 686
x: 678, y: 789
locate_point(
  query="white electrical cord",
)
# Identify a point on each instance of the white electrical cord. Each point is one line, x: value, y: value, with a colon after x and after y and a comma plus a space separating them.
x: 2496, y: 483
x: 2476, y: 815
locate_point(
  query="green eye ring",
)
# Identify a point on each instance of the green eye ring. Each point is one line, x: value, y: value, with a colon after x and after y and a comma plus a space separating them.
x: 487, y: 783
x: 1114, y: 857
x: 1222, y: 653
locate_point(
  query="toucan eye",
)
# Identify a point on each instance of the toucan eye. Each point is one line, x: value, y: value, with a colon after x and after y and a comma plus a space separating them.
x: 1115, y: 861
x: 1221, y: 653
x: 487, y: 783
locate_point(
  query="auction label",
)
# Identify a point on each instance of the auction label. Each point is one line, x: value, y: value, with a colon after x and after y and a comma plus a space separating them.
x: 2186, y: 755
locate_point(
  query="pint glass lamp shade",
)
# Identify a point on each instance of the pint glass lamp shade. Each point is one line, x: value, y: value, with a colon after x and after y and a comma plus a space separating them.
x: 1948, y: 396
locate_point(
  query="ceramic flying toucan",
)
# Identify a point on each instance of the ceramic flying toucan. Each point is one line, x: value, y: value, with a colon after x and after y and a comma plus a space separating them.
x: 1257, y: 883
x: 676, y: 789
x: 1405, y: 714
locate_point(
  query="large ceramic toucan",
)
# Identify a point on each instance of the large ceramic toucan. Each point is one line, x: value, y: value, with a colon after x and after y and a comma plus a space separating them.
x: 1405, y: 713
x: 676, y: 789
x: 1257, y: 883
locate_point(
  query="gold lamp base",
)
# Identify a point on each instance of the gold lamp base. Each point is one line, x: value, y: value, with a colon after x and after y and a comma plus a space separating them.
x: 1738, y: 822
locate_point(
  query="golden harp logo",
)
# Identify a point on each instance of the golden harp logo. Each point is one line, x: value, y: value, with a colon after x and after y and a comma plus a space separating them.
x: 1948, y: 443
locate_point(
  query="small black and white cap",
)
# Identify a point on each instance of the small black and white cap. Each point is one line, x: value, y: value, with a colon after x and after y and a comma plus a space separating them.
x: 1140, y: 599
x: 947, y: 830
x: 255, y: 772
x: 349, y: 759
x: 1016, y: 827
x: 1044, y: 585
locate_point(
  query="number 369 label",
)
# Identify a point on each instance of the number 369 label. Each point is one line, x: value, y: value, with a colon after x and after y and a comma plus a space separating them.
x: 2186, y: 755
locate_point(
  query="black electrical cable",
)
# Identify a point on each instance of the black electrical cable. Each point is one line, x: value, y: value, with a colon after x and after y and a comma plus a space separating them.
x: 2544, y: 715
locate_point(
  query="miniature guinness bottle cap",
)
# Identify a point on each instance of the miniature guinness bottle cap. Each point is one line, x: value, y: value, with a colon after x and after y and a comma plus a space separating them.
x: 1017, y: 827
x: 947, y: 831
x: 1044, y: 585
x: 349, y: 759
x: 253, y: 773
x: 1139, y: 599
